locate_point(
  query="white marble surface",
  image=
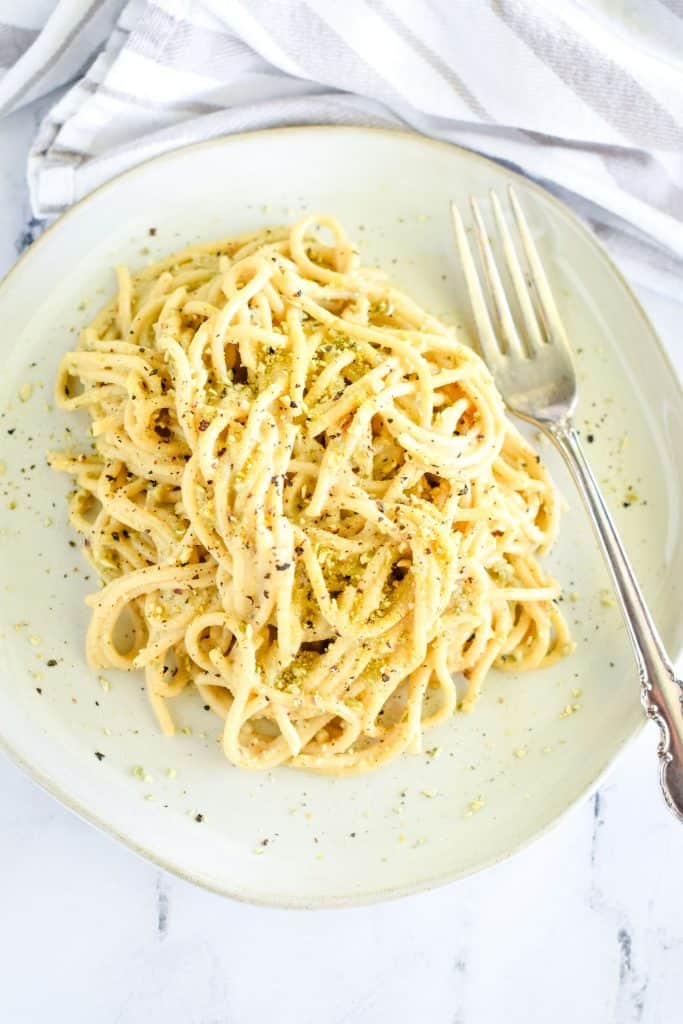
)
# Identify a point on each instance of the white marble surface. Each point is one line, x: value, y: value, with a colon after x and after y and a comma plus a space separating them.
x: 586, y: 925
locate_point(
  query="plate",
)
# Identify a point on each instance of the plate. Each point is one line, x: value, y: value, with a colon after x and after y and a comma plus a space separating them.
x: 490, y: 781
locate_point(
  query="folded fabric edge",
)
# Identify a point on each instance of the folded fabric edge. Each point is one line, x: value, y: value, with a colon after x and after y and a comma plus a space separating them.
x: 52, y: 193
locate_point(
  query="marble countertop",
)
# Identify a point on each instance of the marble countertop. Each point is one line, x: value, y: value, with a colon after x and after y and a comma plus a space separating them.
x: 585, y: 925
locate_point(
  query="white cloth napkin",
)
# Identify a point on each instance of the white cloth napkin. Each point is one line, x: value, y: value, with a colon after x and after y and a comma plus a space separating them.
x: 587, y: 105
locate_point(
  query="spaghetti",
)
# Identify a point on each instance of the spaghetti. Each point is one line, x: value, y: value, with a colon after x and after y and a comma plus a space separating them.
x: 304, y: 500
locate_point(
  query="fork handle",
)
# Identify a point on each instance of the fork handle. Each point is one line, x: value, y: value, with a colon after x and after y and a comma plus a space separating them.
x: 661, y: 692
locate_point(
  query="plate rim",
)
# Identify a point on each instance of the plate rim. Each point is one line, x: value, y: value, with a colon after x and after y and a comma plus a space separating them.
x: 367, y: 897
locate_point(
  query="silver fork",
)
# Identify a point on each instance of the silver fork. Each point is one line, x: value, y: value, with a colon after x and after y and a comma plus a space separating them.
x: 535, y: 375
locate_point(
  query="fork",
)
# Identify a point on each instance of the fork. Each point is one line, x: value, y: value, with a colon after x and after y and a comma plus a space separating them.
x: 534, y: 372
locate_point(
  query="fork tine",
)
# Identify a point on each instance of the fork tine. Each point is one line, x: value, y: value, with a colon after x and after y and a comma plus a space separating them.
x: 554, y: 326
x: 495, y: 285
x: 534, y: 338
x: 487, y: 337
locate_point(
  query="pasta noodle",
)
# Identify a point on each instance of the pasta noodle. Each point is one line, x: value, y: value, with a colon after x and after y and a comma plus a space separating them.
x: 304, y: 500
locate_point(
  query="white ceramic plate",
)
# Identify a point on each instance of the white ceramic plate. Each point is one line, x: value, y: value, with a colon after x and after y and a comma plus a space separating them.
x: 352, y: 840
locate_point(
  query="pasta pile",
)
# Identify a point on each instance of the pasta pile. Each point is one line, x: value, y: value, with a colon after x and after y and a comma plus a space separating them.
x: 304, y: 499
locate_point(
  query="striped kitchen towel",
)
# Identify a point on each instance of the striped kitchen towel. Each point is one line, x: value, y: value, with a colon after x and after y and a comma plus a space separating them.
x: 588, y: 105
